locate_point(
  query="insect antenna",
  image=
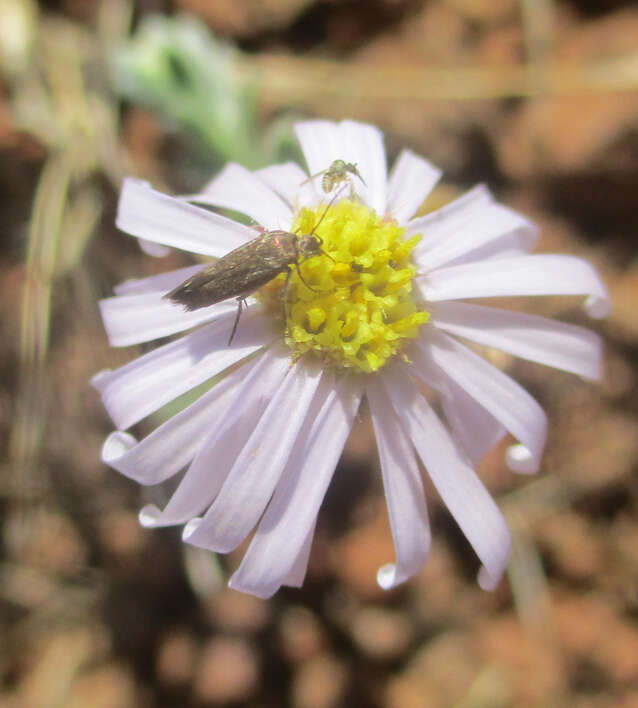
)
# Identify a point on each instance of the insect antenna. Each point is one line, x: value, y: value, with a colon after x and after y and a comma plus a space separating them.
x: 323, y: 216
x: 319, y: 239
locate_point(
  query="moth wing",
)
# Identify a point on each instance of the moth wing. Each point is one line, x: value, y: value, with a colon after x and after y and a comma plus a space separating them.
x: 238, y: 274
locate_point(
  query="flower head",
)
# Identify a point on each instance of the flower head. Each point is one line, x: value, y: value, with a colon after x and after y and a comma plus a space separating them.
x: 376, y: 311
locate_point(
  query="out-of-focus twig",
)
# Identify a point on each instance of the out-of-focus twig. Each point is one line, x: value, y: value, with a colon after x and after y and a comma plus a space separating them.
x: 42, y: 246
x: 72, y: 113
x: 302, y: 81
x: 538, y: 19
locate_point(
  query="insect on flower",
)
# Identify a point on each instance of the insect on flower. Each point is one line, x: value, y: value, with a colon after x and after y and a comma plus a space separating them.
x: 337, y: 172
x: 246, y: 269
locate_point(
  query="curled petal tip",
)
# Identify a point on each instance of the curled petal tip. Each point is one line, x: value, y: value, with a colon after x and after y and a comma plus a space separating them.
x: 487, y: 581
x: 191, y: 527
x: 597, y: 307
x: 149, y: 516
x: 100, y: 379
x: 117, y: 444
x: 519, y: 459
x: 386, y: 576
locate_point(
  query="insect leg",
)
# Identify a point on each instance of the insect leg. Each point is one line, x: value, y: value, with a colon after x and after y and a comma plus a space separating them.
x: 303, y: 280
x: 283, y: 294
x: 240, y: 304
x: 309, y: 179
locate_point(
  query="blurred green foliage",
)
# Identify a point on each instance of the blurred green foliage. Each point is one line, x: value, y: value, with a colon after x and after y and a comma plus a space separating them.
x: 179, y: 69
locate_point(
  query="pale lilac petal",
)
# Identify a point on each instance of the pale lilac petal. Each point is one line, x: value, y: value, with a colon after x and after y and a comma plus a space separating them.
x: 563, y: 346
x: 494, y: 228
x: 226, y: 435
x: 500, y: 395
x: 456, y: 482
x: 473, y: 428
x: 321, y: 144
x: 291, y: 183
x: 161, y: 283
x: 363, y: 145
x: 239, y: 189
x: 452, y: 218
x: 278, y: 551
x: 257, y: 469
x: 403, y: 491
x: 157, y: 217
x: 522, y: 275
x: 411, y: 180
x: 442, y: 226
x: 145, y: 384
x: 297, y: 573
x: 172, y: 445
x: 131, y: 319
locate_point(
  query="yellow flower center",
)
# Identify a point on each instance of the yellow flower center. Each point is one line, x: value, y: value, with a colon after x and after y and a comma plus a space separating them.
x: 360, y: 310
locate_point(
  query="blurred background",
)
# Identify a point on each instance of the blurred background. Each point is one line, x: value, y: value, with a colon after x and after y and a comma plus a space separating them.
x: 537, y: 98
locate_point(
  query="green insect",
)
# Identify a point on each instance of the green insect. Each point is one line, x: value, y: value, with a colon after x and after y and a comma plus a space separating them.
x: 246, y: 269
x: 338, y: 171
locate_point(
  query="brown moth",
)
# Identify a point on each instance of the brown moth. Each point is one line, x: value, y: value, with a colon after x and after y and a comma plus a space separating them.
x: 246, y: 269
x: 337, y: 172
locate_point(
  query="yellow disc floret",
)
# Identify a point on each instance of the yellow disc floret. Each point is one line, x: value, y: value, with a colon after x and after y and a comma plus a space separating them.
x: 353, y: 303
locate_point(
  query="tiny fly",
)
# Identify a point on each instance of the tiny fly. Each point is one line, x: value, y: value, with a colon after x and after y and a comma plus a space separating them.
x: 246, y: 269
x: 337, y: 172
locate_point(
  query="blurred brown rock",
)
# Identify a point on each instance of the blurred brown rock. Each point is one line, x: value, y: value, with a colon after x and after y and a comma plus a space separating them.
x: 319, y: 683
x: 236, y: 612
x: 438, y: 35
x: 55, y: 664
x: 49, y: 541
x: 618, y: 652
x: 591, y: 629
x: 624, y: 536
x: 176, y: 658
x: 437, y: 676
x: 624, y: 295
x: 484, y: 12
x: 380, y: 633
x: 566, y: 134
x: 549, y: 134
x: 243, y: 18
x: 107, y: 686
x: 438, y: 592
x: 532, y: 663
x: 573, y: 545
x: 228, y: 671
x: 121, y: 534
x: 301, y: 633
x: 359, y: 554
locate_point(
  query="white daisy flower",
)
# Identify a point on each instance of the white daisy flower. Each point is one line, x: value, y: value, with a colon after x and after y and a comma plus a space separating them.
x: 377, y: 313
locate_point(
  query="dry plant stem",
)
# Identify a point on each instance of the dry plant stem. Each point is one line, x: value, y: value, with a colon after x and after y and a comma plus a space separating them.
x: 539, y: 20
x: 291, y: 80
x: 78, y: 124
x: 42, y: 248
